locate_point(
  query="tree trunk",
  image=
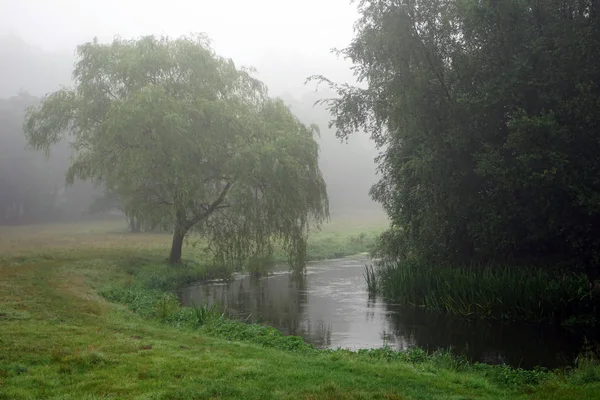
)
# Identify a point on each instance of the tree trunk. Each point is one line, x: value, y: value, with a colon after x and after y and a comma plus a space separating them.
x: 176, y: 245
x: 134, y: 225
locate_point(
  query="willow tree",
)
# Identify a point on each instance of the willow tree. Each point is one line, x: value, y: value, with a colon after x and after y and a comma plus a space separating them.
x: 196, y: 143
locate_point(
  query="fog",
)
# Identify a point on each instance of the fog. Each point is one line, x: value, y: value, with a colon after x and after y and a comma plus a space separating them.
x: 286, y: 42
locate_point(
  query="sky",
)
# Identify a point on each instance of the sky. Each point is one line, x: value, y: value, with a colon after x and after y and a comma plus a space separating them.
x: 271, y: 35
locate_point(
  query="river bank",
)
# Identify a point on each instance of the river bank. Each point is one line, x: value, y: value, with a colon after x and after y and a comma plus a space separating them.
x: 330, y: 307
x: 60, y: 338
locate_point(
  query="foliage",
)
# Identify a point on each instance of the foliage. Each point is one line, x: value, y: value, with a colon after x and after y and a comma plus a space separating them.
x: 207, y: 313
x: 486, y: 112
x: 161, y: 276
x: 503, y: 292
x: 513, y: 377
x: 588, y: 365
x: 191, y: 142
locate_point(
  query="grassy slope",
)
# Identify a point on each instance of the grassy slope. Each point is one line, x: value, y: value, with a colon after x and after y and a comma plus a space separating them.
x: 59, y: 339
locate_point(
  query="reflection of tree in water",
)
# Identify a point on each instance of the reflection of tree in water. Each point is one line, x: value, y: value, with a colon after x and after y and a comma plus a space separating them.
x: 485, y: 341
x: 278, y: 300
x: 318, y: 333
x: 371, y: 309
x: 399, y: 342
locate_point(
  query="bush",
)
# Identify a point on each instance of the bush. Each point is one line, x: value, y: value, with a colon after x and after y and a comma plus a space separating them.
x: 512, y: 377
x: 162, y: 276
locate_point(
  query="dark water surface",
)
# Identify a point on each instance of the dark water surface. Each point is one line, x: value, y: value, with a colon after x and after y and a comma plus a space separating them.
x: 330, y: 308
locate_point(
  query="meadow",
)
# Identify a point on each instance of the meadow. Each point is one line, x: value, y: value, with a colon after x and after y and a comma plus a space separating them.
x: 340, y: 237
x: 84, y: 315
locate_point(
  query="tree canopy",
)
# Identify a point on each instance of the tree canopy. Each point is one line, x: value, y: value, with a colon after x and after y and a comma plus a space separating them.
x: 192, y: 142
x: 487, y: 112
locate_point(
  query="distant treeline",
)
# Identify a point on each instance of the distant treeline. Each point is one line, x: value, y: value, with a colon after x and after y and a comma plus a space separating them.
x: 32, y: 186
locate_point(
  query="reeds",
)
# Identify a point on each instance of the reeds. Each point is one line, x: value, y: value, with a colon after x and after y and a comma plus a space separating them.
x: 206, y: 313
x: 526, y: 293
x: 371, y: 279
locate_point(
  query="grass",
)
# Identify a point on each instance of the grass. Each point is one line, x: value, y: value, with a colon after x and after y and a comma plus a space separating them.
x: 338, y: 238
x: 524, y: 294
x: 86, y: 323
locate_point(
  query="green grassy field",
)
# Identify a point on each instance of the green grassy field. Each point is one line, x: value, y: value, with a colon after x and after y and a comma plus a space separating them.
x: 337, y: 238
x: 61, y: 339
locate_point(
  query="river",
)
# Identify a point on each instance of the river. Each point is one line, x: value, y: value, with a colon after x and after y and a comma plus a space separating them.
x: 330, y: 308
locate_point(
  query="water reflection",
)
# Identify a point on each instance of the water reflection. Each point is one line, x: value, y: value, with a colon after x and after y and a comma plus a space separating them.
x: 492, y: 342
x: 329, y: 307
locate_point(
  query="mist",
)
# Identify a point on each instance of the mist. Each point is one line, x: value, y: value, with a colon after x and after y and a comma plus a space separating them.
x: 317, y: 199
x: 284, y: 43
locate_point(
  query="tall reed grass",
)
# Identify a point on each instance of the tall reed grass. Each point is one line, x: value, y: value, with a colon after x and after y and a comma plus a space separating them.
x: 371, y: 279
x: 208, y: 312
x: 524, y: 294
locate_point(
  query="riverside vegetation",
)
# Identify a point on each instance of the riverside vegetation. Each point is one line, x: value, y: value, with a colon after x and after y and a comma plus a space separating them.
x: 87, y: 313
x: 484, y: 112
x: 508, y: 293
